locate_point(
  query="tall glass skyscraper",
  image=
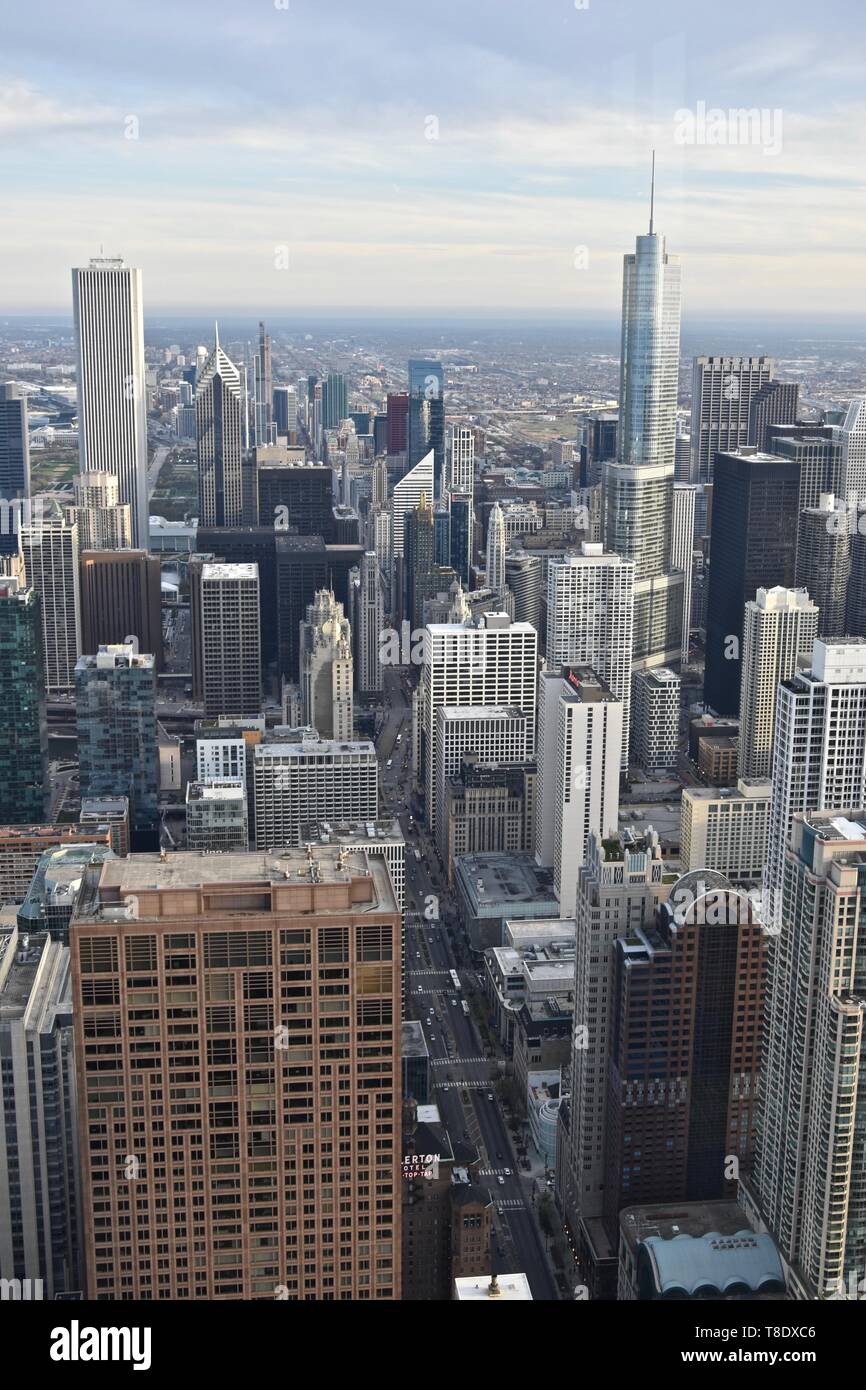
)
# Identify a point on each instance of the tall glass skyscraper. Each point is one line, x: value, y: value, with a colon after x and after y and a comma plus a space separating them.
x: 335, y: 401
x: 638, y: 487
x: 427, y: 415
x: 219, y: 404
x: 14, y: 462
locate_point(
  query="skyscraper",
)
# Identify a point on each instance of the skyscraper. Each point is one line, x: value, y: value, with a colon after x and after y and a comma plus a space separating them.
x: 23, y: 728
x: 112, y: 404
x: 49, y: 549
x: 335, y: 401
x: 367, y: 621
x: 398, y: 416
x: 327, y: 668
x: 263, y: 390
x: 103, y: 524
x: 723, y: 389
x: 311, y: 779
x: 219, y: 404
x: 819, y: 748
x: 638, y: 487
x: 115, y: 710
x: 460, y: 507
x: 426, y: 419
x: 486, y: 660
x: 230, y: 640
x: 809, y: 1183
x: 823, y: 562
x: 406, y: 496
x: 285, y: 1114
x: 851, y: 436
x: 461, y: 471
x: 14, y: 462
x: 754, y: 541
x: 780, y: 627
x: 41, y: 1216
x: 121, y: 592
x: 495, y: 567
x: 655, y: 719
x: 682, y: 550
x: 418, y: 557
x: 590, y: 612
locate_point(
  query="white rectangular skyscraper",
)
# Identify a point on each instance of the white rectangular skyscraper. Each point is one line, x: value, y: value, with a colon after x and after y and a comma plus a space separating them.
x: 112, y: 404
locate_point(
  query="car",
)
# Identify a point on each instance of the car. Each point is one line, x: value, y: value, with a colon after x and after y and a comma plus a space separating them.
x: 454, y: 1003
x: 489, y: 1095
x: 390, y: 762
x: 501, y: 1181
x: 432, y: 1037
x: 507, y: 1172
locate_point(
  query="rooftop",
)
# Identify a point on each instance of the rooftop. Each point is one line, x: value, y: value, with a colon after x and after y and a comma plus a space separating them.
x: 228, y: 571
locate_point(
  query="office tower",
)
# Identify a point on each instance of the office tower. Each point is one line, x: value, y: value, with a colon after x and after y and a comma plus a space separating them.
x: 494, y: 573
x: 818, y: 458
x: 774, y: 404
x: 494, y: 734
x: 586, y: 730
x: 523, y: 578
x: 618, y: 889
x: 682, y: 550
x: 103, y: 524
x: 779, y: 634
x: 590, y: 612
x: 441, y: 535
x: 683, y: 459
x: 14, y: 462
x: 484, y: 660
x: 216, y: 817
x: 488, y: 808
x: 460, y: 505
x: 379, y: 489
x: 23, y: 725
x: 382, y: 839
x: 243, y: 545
x: 305, y: 564
x: 808, y: 1184
x: 405, y: 497
x: 655, y: 719
x: 819, y: 745
x: 111, y: 381
x: 335, y: 404
x: 115, y: 710
x: 851, y: 436
x: 327, y: 668
x: 311, y: 779
x: 40, y: 1197
x: 461, y: 471
x: 723, y: 389
x: 259, y: 1129
x: 418, y: 556
x: 367, y: 623
x: 725, y: 828
x: 855, y: 616
x: 296, y: 495
x: 219, y: 405
x: 598, y: 444
x: 380, y: 538
x: 823, y: 562
x: 285, y: 411
x: 263, y: 382
x: 687, y: 1005
x: 426, y: 418
x: 398, y: 417
x: 754, y: 540
x: 49, y: 549
x: 220, y: 757
x: 121, y: 597
x: 230, y: 640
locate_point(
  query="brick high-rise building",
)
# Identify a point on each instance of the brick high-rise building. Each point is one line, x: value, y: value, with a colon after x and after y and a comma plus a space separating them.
x: 245, y: 1143
x: 121, y: 597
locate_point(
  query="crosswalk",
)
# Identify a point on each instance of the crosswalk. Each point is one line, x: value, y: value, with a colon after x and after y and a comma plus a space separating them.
x: 511, y: 1203
x: 411, y: 970
x: 495, y: 1173
x: 457, y: 1061
x: 462, y: 1085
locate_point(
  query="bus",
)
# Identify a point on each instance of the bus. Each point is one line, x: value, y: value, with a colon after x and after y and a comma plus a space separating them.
x: 465, y: 1007
x: 455, y: 978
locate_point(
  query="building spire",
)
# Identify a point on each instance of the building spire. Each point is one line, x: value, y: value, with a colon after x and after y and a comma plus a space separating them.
x: 652, y: 192
x: 216, y: 327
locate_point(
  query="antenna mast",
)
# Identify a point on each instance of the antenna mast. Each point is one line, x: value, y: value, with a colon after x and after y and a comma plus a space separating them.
x: 652, y: 192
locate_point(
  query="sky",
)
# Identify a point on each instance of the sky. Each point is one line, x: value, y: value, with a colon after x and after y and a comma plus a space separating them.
x: 393, y: 156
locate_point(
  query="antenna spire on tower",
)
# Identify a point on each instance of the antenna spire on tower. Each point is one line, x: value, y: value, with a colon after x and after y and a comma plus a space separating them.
x: 652, y: 192
x: 216, y: 327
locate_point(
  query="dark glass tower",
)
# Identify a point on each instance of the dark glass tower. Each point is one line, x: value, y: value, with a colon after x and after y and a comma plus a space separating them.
x: 23, y: 728
x: 14, y: 461
x: 753, y: 546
